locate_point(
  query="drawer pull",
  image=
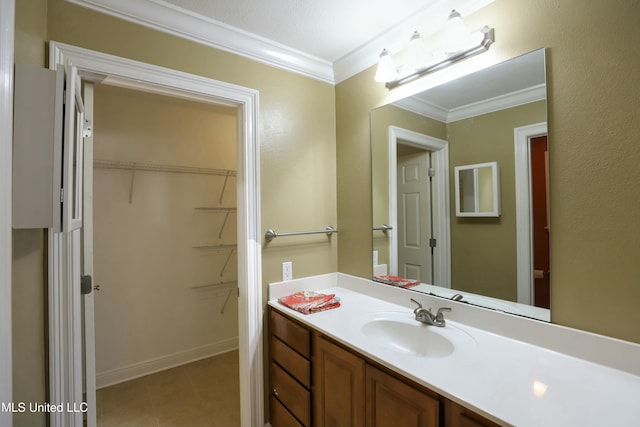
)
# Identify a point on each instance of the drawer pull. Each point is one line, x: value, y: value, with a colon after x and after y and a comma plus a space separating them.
x: 275, y: 392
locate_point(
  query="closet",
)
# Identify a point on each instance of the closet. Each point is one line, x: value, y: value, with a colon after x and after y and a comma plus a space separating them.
x: 164, y: 200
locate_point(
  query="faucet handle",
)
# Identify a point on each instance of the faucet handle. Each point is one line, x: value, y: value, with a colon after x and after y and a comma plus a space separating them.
x: 439, y: 315
x: 419, y: 305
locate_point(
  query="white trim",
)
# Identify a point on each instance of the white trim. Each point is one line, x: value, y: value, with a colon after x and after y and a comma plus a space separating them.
x: 190, y: 26
x: 6, y: 143
x: 502, y: 102
x: 250, y: 309
x: 524, y: 232
x: 161, y: 363
x: 441, y: 219
x: 88, y: 330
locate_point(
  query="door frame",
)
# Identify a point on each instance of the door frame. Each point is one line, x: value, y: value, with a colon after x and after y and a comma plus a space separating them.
x: 250, y: 309
x: 441, y: 219
x: 524, y: 228
x: 6, y: 156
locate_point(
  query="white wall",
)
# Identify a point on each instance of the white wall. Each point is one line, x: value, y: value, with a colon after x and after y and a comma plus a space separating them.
x: 152, y: 311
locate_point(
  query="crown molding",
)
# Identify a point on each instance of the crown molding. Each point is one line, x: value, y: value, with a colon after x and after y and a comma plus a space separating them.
x: 502, y: 102
x: 423, y: 108
x: 178, y: 22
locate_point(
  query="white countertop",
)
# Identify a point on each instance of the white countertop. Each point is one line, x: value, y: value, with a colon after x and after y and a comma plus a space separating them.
x: 510, y: 381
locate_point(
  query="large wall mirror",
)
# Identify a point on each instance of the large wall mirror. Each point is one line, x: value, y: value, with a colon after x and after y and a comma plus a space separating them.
x: 495, y: 116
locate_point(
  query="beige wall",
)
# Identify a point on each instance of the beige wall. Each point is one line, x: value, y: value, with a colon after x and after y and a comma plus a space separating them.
x: 594, y: 106
x: 160, y: 298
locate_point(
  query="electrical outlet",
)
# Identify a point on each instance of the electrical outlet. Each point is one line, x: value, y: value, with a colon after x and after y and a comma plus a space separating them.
x: 287, y: 270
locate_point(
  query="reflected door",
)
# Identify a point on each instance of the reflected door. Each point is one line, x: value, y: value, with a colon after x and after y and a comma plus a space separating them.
x: 414, y: 217
x: 539, y: 196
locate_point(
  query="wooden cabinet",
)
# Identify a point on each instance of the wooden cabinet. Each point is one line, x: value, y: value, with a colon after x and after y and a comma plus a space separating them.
x: 348, y: 391
x: 458, y: 416
x: 290, y: 372
x: 315, y: 381
x: 392, y: 402
x: 338, y: 378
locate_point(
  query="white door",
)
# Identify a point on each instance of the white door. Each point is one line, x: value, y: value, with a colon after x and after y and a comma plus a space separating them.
x: 414, y: 217
x: 65, y: 306
x: 89, y: 356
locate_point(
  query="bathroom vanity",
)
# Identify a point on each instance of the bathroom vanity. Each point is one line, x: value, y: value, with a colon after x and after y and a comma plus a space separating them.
x: 350, y: 389
x: 369, y: 362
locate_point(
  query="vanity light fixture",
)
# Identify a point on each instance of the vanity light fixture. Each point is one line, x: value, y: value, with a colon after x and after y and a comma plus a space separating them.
x: 459, y: 45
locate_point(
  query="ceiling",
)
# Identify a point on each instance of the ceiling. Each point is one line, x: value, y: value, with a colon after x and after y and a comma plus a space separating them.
x: 329, y: 40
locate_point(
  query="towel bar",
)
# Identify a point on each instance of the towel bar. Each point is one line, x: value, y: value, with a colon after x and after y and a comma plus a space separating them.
x: 270, y: 234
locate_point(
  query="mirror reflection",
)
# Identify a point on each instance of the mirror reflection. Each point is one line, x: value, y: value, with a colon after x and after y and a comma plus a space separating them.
x: 490, y: 127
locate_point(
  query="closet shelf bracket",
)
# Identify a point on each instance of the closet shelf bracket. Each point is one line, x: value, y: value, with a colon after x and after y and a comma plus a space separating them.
x: 228, y: 211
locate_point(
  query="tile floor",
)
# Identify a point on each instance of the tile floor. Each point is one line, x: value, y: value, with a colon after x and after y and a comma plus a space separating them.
x: 200, y: 394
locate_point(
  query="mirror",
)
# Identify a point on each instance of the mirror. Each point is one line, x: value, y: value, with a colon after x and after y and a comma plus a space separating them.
x: 477, y: 190
x: 483, y: 239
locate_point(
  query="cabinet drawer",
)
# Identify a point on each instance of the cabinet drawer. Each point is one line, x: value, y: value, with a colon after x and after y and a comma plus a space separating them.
x: 280, y: 416
x: 291, y: 333
x: 292, y: 362
x: 291, y: 394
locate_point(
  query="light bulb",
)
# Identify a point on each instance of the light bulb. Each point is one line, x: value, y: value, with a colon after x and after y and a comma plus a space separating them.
x: 386, y: 69
x: 456, y: 34
x: 417, y: 52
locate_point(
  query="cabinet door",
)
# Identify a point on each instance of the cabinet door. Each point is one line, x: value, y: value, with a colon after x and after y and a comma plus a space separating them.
x: 392, y: 403
x: 338, y: 378
x: 459, y: 416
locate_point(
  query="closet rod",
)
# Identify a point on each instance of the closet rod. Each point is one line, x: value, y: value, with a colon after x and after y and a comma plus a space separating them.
x: 151, y: 167
x: 270, y: 234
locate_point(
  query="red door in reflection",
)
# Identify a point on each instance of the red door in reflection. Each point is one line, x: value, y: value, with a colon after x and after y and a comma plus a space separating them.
x: 539, y: 195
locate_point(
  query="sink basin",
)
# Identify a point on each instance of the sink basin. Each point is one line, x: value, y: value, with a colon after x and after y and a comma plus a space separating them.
x: 401, y: 333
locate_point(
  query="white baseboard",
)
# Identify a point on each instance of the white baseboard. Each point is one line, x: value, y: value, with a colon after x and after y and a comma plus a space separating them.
x: 150, y: 366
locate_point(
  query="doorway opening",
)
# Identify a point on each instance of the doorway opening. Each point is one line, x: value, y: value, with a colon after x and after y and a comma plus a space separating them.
x: 164, y: 249
x: 439, y: 242
x: 65, y: 358
x: 532, y: 214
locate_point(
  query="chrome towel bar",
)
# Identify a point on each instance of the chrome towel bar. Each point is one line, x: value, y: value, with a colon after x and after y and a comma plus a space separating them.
x: 384, y: 228
x: 270, y: 234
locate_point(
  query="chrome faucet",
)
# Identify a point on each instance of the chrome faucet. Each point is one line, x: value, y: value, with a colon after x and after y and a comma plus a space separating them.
x: 425, y: 315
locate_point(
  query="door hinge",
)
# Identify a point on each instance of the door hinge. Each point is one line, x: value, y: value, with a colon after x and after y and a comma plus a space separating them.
x: 431, y: 172
x: 87, y: 129
x: 432, y: 242
x: 61, y: 195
